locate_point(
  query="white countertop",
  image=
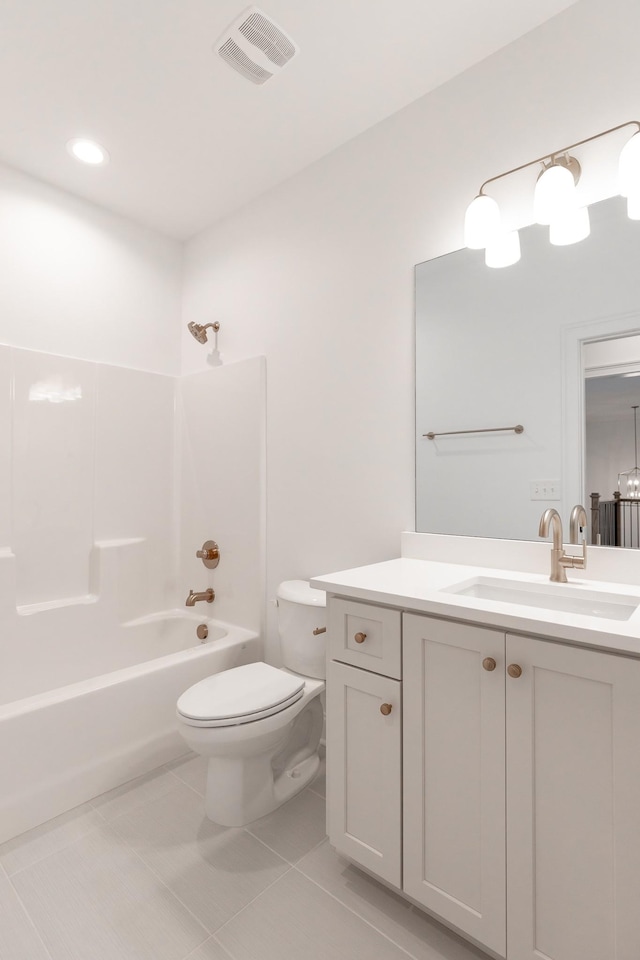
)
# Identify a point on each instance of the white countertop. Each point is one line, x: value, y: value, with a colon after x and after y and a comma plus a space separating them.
x: 420, y: 585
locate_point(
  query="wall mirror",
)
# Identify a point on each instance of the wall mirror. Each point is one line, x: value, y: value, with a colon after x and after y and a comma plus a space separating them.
x: 500, y: 348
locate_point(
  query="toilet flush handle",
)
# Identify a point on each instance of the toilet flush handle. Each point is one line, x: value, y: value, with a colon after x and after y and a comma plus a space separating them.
x: 319, y: 630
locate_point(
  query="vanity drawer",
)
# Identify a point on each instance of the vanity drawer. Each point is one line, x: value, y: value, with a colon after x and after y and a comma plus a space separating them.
x: 365, y: 636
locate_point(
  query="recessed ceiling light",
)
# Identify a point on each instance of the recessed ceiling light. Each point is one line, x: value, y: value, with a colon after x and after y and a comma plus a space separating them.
x: 88, y: 151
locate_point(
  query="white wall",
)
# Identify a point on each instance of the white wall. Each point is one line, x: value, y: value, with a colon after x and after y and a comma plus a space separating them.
x: 610, y: 450
x: 317, y: 276
x: 81, y: 282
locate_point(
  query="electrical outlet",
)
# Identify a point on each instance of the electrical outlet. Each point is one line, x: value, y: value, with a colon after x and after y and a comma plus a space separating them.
x: 545, y: 489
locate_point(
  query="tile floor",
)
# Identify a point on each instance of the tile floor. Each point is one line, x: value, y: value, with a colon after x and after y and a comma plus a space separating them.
x: 140, y: 874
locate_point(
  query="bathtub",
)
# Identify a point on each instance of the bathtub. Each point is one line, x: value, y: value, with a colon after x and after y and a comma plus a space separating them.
x: 61, y: 747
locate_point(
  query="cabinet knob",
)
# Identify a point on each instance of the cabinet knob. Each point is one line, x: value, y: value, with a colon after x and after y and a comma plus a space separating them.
x: 489, y: 663
x: 385, y: 709
x: 360, y: 637
x: 514, y: 670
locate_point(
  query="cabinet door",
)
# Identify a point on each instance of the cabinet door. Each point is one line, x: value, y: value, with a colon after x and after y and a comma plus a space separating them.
x: 454, y: 775
x: 364, y: 768
x: 573, y: 801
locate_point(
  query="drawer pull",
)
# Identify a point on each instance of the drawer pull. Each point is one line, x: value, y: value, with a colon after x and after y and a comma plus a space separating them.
x: 514, y: 670
x: 360, y: 637
x: 385, y: 709
x: 319, y: 630
x: 489, y: 663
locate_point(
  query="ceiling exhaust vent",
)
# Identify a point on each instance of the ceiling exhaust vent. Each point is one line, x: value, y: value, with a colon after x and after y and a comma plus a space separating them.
x: 255, y: 46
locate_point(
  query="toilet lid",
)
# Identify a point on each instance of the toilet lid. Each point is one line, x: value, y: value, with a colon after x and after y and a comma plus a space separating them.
x: 240, y: 695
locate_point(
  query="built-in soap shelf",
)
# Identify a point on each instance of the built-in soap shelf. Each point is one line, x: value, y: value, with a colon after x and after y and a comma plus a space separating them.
x: 113, y: 568
x: 28, y: 609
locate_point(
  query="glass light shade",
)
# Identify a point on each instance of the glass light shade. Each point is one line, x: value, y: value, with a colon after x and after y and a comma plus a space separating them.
x: 503, y: 250
x: 629, y: 167
x: 633, y: 204
x: 554, y: 195
x: 571, y: 228
x: 481, y: 222
x: 629, y: 484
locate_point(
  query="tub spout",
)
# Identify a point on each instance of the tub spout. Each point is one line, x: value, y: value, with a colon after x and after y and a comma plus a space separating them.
x: 193, y: 598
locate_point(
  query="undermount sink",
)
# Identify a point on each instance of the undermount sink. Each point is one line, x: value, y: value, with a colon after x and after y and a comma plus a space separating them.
x: 589, y: 603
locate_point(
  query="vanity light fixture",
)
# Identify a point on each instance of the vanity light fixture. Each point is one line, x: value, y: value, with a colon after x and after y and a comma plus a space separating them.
x: 555, y: 201
x: 88, y: 151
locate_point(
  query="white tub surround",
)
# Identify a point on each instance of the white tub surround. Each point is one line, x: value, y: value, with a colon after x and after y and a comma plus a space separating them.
x: 483, y: 750
x: 54, y: 643
x: 221, y: 419
x: 94, y: 654
x: 65, y: 746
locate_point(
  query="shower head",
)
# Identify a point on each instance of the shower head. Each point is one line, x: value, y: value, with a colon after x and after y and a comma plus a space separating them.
x: 199, y: 332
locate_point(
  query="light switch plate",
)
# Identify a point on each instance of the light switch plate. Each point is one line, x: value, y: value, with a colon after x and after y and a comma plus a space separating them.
x: 545, y: 489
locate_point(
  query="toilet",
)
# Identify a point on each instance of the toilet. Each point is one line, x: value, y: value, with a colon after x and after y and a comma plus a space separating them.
x: 260, y: 726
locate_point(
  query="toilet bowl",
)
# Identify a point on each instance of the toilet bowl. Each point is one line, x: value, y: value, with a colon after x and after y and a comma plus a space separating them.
x: 260, y: 726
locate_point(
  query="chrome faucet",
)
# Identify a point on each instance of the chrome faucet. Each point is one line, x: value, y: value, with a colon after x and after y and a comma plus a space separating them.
x: 577, y: 523
x: 559, y: 559
x: 193, y: 598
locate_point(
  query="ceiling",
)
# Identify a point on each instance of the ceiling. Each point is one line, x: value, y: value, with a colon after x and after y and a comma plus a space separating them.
x: 191, y: 140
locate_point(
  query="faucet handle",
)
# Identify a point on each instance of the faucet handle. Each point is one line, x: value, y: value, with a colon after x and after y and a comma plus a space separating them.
x: 579, y: 562
x: 210, y: 554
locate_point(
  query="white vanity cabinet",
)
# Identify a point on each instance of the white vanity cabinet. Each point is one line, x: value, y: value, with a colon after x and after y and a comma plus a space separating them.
x: 364, y: 788
x: 573, y: 803
x: 520, y: 787
x: 364, y: 734
x: 454, y: 774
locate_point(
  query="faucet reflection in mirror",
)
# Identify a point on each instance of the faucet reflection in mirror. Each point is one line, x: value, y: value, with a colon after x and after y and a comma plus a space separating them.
x: 556, y: 201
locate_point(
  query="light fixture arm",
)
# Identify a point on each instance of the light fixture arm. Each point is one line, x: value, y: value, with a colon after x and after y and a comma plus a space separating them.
x: 558, y: 153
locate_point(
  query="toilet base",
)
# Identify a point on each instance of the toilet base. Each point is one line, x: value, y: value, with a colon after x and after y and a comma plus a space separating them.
x: 241, y: 789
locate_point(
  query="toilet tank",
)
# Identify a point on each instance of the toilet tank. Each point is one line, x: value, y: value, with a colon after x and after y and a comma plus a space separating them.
x: 301, y: 610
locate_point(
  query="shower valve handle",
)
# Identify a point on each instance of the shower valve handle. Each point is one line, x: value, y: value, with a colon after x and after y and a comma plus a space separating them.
x: 210, y: 554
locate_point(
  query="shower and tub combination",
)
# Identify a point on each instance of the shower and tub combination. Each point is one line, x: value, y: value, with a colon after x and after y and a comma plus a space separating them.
x: 101, y: 710
x: 104, y: 472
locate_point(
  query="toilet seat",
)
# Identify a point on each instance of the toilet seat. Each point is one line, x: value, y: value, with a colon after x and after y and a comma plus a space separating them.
x: 240, y: 695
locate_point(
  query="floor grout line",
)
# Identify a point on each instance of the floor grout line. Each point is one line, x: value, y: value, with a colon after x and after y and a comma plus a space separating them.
x: 356, y: 914
x: 157, y: 877
x: 270, y: 849
x: 217, y: 942
x: 185, y: 784
x: 52, y: 853
x: 121, y: 840
x: 30, y: 919
x: 253, y: 900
